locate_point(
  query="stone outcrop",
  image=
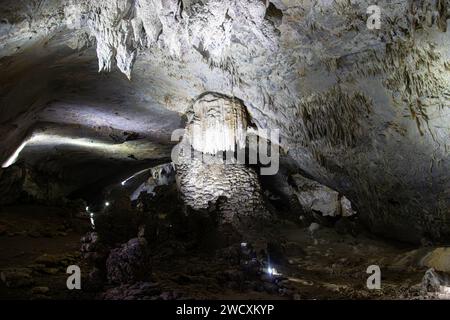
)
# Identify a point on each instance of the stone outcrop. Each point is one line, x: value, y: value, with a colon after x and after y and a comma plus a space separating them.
x: 315, y: 197
x: 163, y: 174
x: 438, y: 259
x: 160, y: 176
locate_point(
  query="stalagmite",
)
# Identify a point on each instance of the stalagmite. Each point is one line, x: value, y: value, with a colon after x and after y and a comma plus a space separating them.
x: 218, y: 124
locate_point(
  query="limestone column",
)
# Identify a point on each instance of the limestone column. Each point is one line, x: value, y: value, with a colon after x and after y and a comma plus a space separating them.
x: 217, y: 125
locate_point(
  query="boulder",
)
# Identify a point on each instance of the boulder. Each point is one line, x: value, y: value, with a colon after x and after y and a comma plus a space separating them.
x: 92, y: 250
x: 438, y: 259
x: 432, y: 281
x: 129, y: 263
x: 317, y: 198
x: 346, y: 207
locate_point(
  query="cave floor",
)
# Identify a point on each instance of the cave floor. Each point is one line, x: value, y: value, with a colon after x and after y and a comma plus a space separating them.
x: 38, y: 243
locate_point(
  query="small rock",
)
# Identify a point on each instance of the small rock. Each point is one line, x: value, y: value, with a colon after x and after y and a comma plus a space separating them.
x: 431, y: 281
x: 313, y: 227
x: 346, y: 206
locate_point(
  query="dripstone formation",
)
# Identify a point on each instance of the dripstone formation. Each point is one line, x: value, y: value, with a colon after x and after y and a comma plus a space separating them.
x: 205, y: 177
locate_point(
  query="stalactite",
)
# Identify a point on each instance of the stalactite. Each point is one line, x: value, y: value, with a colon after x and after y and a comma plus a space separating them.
x: 218, y: 125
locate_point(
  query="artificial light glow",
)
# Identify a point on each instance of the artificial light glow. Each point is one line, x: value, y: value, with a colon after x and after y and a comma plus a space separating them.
x: 134, y: 175
x: 13, y: 158
x: 92, y: 220
x: 53, y: 139
x: 107, y: 203
x: 43, y: 139
x: 272, y: 271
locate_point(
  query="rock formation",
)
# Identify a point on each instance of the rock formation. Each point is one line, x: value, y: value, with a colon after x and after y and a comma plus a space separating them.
x: 207, y: 166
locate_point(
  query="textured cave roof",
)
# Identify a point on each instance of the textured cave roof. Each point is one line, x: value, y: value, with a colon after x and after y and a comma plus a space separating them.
x: 363, y: 111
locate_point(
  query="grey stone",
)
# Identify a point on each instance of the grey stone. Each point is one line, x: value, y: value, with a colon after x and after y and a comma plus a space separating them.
x: 129, y: 263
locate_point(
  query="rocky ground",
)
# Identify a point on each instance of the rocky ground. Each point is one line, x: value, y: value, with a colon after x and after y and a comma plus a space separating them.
x: 38, y: 243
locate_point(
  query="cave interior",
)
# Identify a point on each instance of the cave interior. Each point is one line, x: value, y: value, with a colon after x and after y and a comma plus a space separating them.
x: 224, y: 149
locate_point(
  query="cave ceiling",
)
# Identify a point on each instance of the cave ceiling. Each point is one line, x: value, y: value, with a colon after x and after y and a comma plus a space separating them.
x: 362, y: 111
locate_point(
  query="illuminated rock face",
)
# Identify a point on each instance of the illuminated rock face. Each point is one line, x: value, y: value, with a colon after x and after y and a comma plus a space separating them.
x: 218, y: 124
x: 202, y: 184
